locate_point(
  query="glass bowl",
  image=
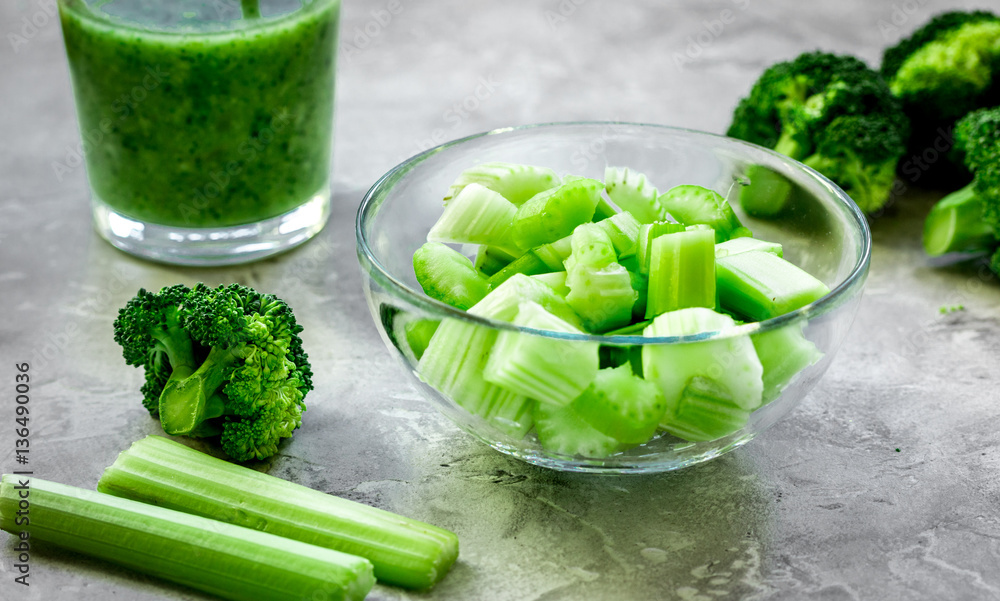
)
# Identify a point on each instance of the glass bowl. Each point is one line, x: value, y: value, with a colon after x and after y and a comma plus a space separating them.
x: 821, y: 230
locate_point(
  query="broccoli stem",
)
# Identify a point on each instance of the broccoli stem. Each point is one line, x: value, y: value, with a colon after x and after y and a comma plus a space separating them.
x: 789, y: 145
x: 956, y: 224
x: 190, y: 398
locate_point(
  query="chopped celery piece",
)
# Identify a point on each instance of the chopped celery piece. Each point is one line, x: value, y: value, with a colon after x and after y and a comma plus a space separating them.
x: 502, y: 303
x: 647, y: 233
x: 604, y: 210
x: 956, y: 224
x: 601, y: 290
x: 783, y: 353
x: 453, y: 364
x: 705, y: 411
x: 681, y: 272
x: 730, y: 361
x: 761, y: 285
x: 517, y: 183
x: 406, y: 332
x: 554, y: 254
x: 230, y: 562
x: 767, y: 193
x: 562, y: 431
x: 159, y: 471
x: 640, y: 284
x: 631, y: 191
x: 742, y: 245
x: 555, y: 280
x: 622, y: 405
x: 477, y: 215
x: 691, y: 204
x: 623, y: 230
x: 555, y: 213
x: 527, y: 264
x: 549, y: 370
x: 418, y: 334
x: 490, y: 259
x: 448, y: 276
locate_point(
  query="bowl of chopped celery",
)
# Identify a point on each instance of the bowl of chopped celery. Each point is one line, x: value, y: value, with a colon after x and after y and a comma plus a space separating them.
x: 611, y: 297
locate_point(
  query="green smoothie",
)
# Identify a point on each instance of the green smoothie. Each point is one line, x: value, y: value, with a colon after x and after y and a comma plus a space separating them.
x: 193, y: 115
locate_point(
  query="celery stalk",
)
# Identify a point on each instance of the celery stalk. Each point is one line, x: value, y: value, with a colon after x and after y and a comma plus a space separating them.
x: 162, y: 472
x: 681, y: 272
x: 222, y: 559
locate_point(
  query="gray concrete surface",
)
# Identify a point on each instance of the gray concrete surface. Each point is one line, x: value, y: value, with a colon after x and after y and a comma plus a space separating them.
x: 882, y: 485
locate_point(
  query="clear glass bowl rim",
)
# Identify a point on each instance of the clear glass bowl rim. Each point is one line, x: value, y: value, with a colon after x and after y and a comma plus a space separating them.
x: 839, y: 293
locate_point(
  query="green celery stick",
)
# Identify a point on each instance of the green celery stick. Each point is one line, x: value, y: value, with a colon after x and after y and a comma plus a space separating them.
x: 527, y: 264
x: 622, y: 405
x: 767, y: 193
x: 783, y: 353
x: 502, y: 303
x: 731, y: 361
x: 477, y: 215
x: 623, y: 230
x: 549, y: 370
x: 490, y: 259
x: 644, y: 245
x: 705, y: 411
x: 165, y: 473
x: 601, y: 290
x: 956, y: 224
x: 448, y: 276
x: 761, y: 285
x: 555, y: 213
x: 562, y: 431
x: 555, y: 280
x: 631, y: 191
x: 554, y: 254
x: 221, y: 559
x: 406, y: 331
x: 681, y: 272
x: 691, y: 205
x: 742, y: 245
x: 517, y: 183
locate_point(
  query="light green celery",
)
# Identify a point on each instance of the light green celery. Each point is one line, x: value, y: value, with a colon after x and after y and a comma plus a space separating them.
x: 767, y: 192
x: 562, y: 431
x: 555, y: 280
x: 730, y: 361
x: 761, y: 285
x: 503, y: 302
x: 517, y: 183
x: 554, y: 213
x: 159, y: 471
x: 554, y: 254
x: 601, y: 290
x: 477, y: 215
x: 631, y: 191
x: 681, y: 272
x: 448, y: 276
x: 549, y: 370
x: 528, y: 264
x: 783, y: 353
x: 230, y: 562
x: 956, y: 224
x: 622, y: 405
x: 691, y: 205
x: 490, y: 259
x: 647, y: 233
x: 453, y: 365
x: 742, y: 245
x: 623, y: 230
x: 705, y: 411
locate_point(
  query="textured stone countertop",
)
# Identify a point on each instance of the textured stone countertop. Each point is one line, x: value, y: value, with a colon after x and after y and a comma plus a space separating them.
x: 883, y: 484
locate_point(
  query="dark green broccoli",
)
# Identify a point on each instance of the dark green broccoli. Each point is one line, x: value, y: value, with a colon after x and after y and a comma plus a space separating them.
x: 833, y: 113
x: 945, y: 69
x: 968, y: 220
x: 225, y: 361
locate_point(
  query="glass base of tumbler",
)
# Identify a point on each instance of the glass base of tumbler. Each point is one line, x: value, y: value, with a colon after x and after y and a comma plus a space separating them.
x: 217, y: 245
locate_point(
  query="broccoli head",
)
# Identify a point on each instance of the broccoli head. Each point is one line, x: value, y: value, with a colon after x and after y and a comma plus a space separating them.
x: 222, y: 362
x: 968, y: 220
x: 945, y: 69
x: 833, y: 113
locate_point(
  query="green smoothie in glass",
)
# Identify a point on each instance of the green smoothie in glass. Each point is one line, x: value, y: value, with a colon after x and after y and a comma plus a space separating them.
x: 203, y: 116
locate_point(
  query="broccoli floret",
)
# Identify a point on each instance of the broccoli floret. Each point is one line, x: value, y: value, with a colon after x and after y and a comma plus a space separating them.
x: 944, y: 70
x: 968, y: 220
x: 832, y: 112
x: 225, y: 361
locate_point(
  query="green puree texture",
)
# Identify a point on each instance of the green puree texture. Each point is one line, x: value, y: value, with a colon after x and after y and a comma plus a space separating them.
x: 204, y: 129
